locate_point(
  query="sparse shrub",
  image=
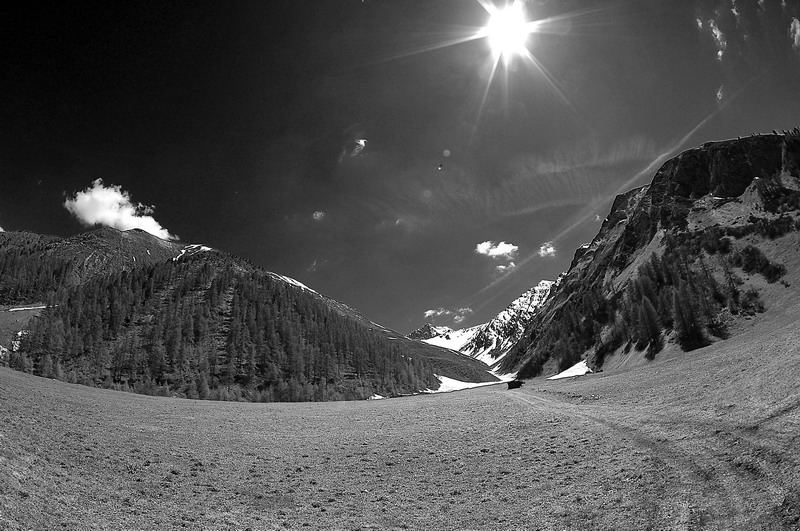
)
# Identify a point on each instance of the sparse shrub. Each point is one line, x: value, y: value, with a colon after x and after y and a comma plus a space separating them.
x: 718, y: 324
x: 752, y: 260
x: 751, y: 302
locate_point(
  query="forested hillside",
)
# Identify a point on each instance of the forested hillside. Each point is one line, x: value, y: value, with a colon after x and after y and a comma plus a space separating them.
x: 201, y: 324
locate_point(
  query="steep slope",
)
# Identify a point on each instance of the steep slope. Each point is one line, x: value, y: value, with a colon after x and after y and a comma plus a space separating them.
x: 676, y: 262
x: 130, y: 311
x: 489, y: 342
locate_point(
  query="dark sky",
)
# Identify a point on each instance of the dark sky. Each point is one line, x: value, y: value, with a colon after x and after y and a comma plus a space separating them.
x: 338, y: 142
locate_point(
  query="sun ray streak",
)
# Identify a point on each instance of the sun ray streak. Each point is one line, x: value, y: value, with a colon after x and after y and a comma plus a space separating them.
x: 485, y: 97
x: 429, y: 48
x: 550, y: 79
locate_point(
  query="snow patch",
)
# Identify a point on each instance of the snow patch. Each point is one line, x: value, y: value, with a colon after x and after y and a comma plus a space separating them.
x: 22, y: 309
x: 454, y: 339
x: 295, y: 283
x: 376, y: 396
x: 17, y: 343
x: 579, y: 369
x: 449, y: 384
x: 190, y: 249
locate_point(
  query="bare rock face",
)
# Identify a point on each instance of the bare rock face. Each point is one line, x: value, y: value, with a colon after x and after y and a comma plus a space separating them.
x: 722, y: 169
x: 699, y: 179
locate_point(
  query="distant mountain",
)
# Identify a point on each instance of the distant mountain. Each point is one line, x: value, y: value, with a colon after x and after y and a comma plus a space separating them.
x: 428, y: 331
x: 491, y: 341
x: 131, y: 311
x: 677, y: 262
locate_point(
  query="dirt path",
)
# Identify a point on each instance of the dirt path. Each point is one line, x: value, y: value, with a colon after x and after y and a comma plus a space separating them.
x: 721, y: 475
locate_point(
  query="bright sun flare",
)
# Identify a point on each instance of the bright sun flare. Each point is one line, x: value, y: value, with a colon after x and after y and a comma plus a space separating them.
x: 508, y: 30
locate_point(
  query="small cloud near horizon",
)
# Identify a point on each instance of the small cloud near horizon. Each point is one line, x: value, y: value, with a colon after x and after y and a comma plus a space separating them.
x: 505, y: 268
x: 547, y: 249
x: 457, y: 316
x: 112, y: 206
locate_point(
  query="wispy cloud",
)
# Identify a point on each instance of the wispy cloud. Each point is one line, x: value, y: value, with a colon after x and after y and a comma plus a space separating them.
x: 747, y: 35
x: 316, y: 265
x: 497, y: 251
x: 113, y: 207
x: 457, y: 315
x: 318, y: 215
x: 593, y: 155
x: 547, y: 249
x: 719, y: 38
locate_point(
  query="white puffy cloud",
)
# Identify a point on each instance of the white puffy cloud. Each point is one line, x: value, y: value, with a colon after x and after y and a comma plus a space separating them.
x: 456, y: 315
x: 502, y: 250
x: 318, y: 215
x: 505, y: 268
x: 113, y: 207
x: 794, y: 33
x: 547, y: 249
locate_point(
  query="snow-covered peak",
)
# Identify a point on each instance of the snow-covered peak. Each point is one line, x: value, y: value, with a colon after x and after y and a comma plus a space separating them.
x: 489, y: 342
x: 524, y: 306
x: 429, y: 331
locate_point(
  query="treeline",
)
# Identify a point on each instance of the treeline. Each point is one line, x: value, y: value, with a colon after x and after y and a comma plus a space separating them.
x: 206, y: 328
x: 678, y: 291
x: 27, y: 273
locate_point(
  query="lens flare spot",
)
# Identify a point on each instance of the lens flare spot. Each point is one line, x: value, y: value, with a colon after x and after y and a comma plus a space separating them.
x: 508, y: 30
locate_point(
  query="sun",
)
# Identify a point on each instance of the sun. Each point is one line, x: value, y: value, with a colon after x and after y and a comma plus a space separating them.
x: 507, y: 30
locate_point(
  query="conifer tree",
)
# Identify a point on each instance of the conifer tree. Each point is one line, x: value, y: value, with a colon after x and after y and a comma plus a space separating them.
x: 690, y: 330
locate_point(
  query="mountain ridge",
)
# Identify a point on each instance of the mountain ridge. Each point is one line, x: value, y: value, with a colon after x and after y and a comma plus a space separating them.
x: 676, y: 261
x: 127, y: 310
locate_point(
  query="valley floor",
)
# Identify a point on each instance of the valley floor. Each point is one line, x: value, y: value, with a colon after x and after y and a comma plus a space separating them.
x: 704, y: 440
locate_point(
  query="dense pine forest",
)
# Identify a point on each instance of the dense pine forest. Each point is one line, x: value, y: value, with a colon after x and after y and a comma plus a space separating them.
x: 205, y: 326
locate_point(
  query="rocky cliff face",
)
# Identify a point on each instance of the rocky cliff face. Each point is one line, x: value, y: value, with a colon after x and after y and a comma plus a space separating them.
x: 739, y: 191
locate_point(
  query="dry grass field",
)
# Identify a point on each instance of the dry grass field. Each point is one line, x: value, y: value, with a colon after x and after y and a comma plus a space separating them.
x: 700, y: 440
